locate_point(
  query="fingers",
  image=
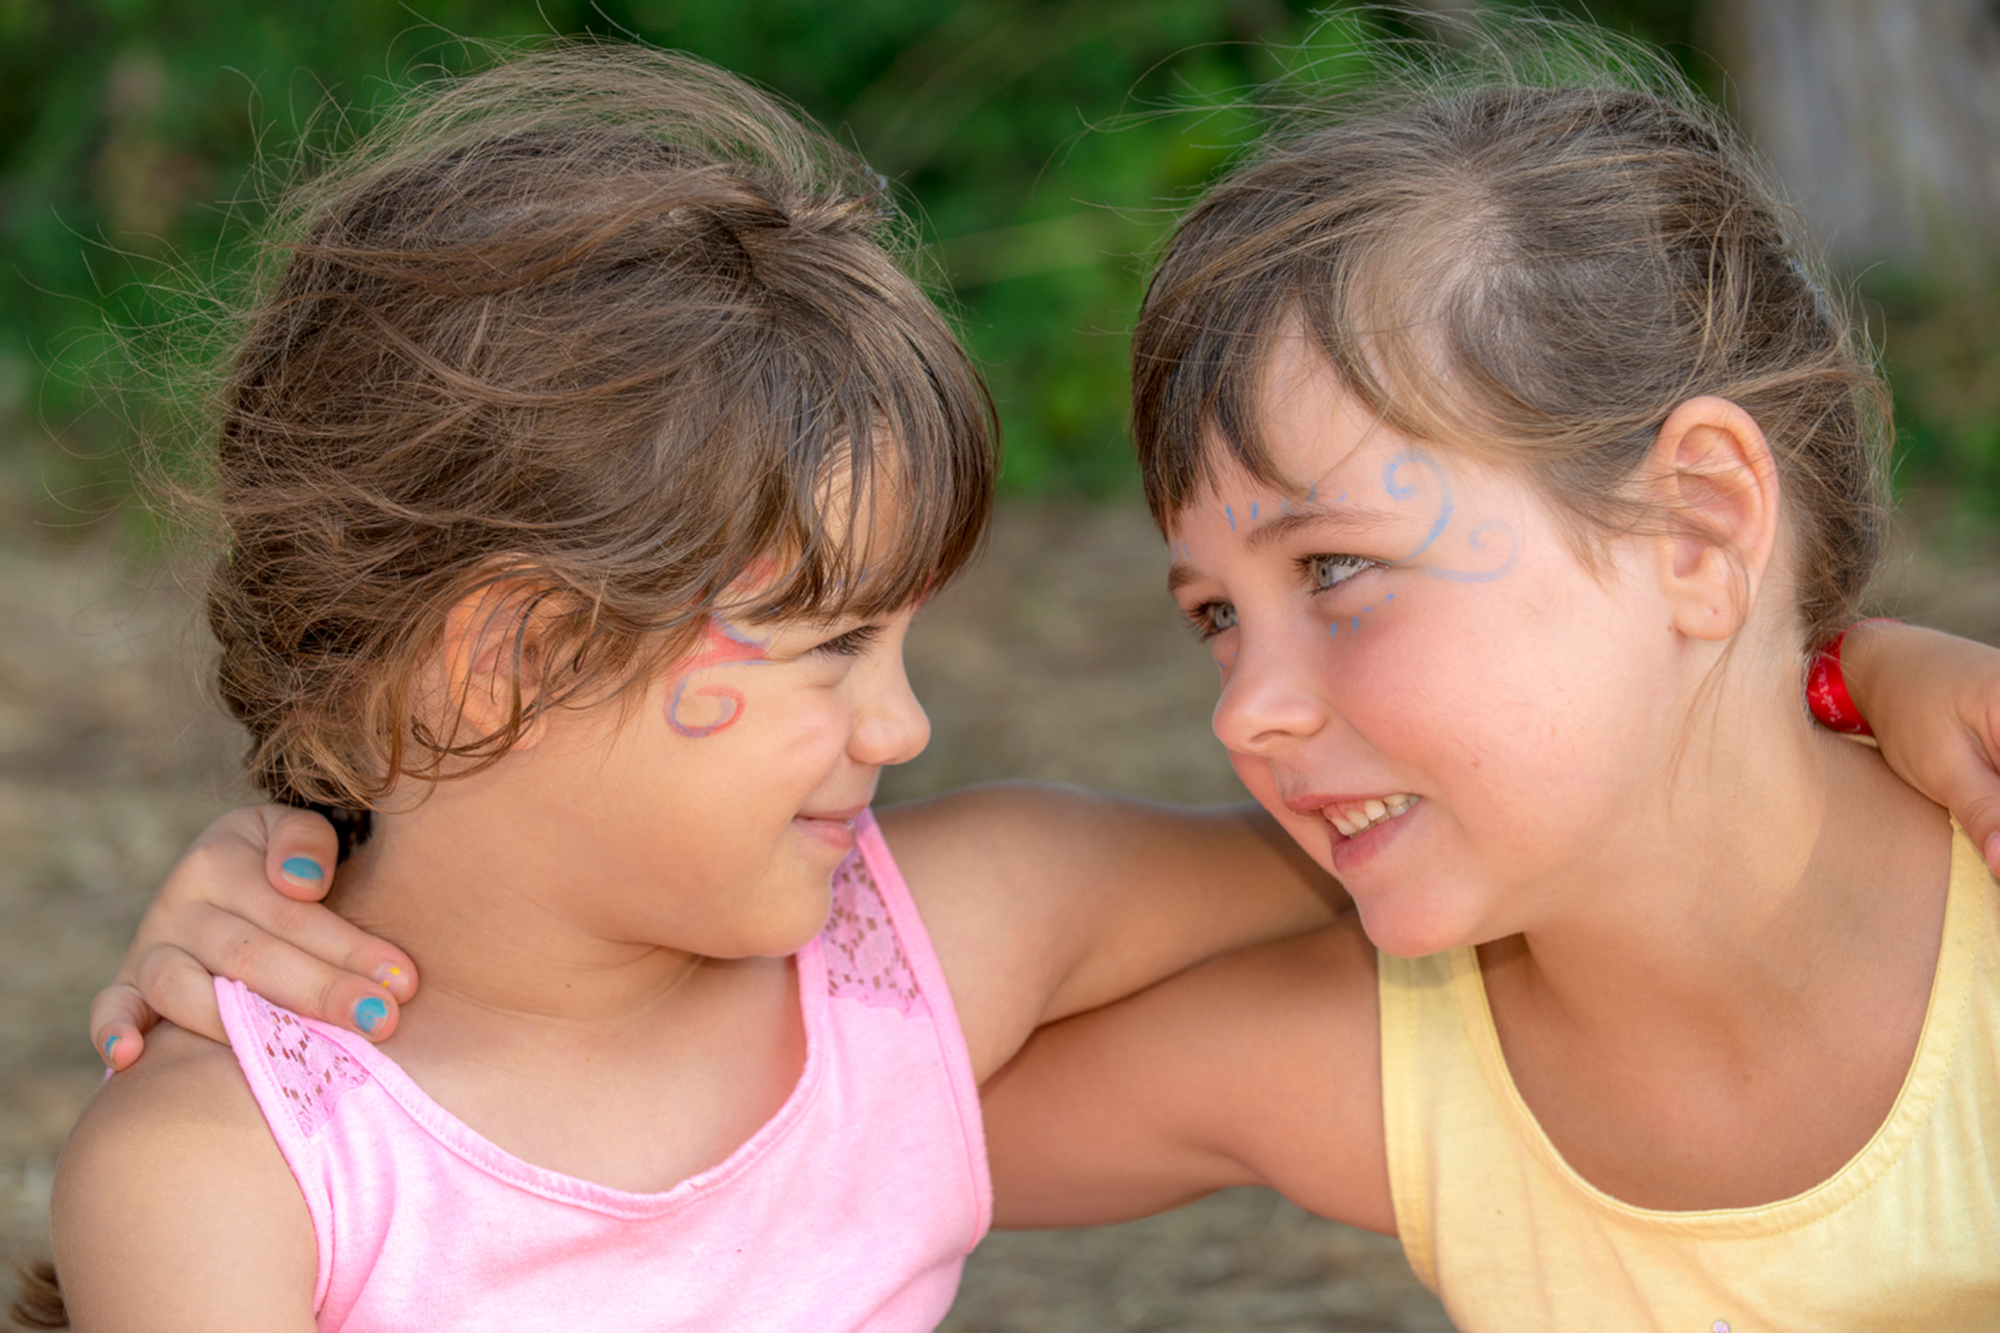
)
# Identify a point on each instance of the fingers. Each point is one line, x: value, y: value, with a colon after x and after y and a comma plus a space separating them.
x: 242, y: 903
x: 300, y: 852
x: 289, y: 965
x: 119, y: 1019
x: 1978, y: 813
x: 180, y: 990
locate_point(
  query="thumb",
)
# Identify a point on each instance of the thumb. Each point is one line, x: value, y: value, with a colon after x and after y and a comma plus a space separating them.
x: 301, y: 850
x: 1980, y: 818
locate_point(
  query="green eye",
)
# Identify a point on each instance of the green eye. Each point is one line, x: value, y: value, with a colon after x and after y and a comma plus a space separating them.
x: 1330, y: 571
x: 1212, y: 618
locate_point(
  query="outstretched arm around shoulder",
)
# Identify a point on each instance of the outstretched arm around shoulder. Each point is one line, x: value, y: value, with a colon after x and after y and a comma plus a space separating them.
x: 174, y: 1209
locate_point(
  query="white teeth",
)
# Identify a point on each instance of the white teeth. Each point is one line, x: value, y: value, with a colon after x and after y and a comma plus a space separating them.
x: 1369, y: 813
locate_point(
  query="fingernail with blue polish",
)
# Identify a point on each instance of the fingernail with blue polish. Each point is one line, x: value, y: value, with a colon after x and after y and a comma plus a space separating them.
x: 302, y: 868
x: 369, y: 1013
x: 110, y: 1042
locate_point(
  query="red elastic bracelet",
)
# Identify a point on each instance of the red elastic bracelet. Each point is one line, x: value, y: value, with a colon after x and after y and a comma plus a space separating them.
x: 1826, y: 688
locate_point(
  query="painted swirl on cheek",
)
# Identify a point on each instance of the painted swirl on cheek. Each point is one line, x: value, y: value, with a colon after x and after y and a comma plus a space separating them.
x: 721, y: 645
x: 1494, y: 542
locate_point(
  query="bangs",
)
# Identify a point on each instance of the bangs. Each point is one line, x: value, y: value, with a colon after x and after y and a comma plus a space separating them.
x: 860, y: 462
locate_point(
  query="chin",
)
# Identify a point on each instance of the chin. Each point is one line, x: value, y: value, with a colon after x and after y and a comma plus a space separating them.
x: 1411, y: 925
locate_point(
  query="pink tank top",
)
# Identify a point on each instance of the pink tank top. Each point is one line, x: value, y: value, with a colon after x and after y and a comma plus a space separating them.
x: 853, y: 1208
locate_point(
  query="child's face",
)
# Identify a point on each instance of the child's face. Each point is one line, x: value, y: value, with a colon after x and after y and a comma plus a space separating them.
x: 1419, y: 678
x: 716, y: 808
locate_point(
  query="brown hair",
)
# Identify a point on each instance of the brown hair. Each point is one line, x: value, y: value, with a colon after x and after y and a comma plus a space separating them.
x: 38, y: 1303
x: 601, y: 321
x: 1542, y: 273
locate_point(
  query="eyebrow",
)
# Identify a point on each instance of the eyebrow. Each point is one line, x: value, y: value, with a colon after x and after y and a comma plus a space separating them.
x: 1289, y: 521
x: 1301, y: 517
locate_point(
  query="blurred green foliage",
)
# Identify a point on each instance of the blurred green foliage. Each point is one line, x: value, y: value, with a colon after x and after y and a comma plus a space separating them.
x: 124, y: 122
x: 1036, y: 140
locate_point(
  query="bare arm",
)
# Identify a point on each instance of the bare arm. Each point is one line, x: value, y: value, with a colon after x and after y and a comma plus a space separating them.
x: 1046, y: 901
x: 1261, y: 1067
x: 173, y: 1208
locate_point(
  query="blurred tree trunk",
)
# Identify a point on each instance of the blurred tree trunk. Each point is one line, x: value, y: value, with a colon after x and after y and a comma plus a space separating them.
x: 1882, y: 118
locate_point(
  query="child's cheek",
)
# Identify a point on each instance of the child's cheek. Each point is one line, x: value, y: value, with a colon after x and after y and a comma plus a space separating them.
x: 1368, y: 609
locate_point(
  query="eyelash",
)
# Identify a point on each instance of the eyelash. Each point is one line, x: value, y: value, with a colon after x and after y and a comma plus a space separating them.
x: 1315, y: 565
x: 851, y: 644
x: 1206, y: 617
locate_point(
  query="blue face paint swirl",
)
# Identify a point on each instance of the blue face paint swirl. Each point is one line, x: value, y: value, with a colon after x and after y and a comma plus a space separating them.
x: 1476, y: 540
x: 1403, y: 491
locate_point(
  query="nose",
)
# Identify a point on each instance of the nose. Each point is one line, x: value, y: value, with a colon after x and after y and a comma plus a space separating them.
x: 890, y: 725
x: 1270, y: 696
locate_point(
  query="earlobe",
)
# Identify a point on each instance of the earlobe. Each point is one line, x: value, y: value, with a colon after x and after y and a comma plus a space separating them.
x: 1713, y: 472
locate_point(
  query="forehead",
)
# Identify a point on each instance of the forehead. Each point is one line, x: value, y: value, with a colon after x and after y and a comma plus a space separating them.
x: 1311, y: 428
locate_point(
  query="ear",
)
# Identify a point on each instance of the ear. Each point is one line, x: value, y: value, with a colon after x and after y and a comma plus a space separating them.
x: 492, y: 654
x: 1712, y: 469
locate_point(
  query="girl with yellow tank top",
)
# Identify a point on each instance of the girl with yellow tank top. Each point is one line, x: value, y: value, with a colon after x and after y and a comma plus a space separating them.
x: 1514, y: 462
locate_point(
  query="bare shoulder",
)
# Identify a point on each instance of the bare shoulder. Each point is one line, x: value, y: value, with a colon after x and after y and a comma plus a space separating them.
x: 1044, y: 901
x: 172, y: 1200
x: 993, y: 829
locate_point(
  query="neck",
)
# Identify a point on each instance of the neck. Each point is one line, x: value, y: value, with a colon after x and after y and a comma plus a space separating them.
x: 491, y: 900
x: 1771, y: 869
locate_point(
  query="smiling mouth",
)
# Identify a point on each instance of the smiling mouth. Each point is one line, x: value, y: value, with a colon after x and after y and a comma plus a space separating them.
x: 1356, y: 819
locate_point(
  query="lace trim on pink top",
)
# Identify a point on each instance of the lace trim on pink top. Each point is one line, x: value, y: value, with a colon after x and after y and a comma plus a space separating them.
x: 864, y: 955
x: 312, y: 1072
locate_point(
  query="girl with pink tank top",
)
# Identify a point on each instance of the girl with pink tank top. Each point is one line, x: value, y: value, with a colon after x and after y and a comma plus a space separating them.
x: 580, y: 472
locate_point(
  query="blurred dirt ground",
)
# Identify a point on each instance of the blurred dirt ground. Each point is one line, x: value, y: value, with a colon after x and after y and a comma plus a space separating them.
x: 1058, y: 657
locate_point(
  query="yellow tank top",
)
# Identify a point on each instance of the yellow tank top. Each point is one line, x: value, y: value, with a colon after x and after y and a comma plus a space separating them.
x: 1905, y: 1236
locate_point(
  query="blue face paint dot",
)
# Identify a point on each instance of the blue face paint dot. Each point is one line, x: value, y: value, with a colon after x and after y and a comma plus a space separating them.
x: 1341, y: 499
x: 1390, y: 598
x: 1357, y: 622
x: 1333, y: 629
x: 1229, y: 514
x: 1366, y: 609
x: 1253, y: 512
x: 302, y: 867
x: 369, y: 1013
